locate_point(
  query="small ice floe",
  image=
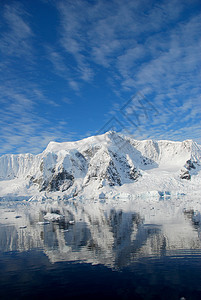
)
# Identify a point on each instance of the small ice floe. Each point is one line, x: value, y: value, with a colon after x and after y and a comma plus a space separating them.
x: 72, y: 222
x: 22, y: 227
x: 43, y: 223
x: 53, y: 217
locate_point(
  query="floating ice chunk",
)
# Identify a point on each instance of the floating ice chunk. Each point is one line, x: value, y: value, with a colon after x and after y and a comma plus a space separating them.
x: 53, y: 217
x: 43, y: 223
x: 72, y: 222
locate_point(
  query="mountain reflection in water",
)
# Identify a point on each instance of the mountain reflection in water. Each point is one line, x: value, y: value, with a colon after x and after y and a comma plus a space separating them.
x: 114, y: 235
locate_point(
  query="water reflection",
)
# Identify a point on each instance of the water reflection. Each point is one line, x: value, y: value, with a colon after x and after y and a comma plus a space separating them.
x: 99, y: 233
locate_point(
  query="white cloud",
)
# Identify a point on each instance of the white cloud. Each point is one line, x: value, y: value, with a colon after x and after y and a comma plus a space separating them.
x: 23, y: 130
x: 16, y: 40
x: 73, y: 34
x: 58, y: 61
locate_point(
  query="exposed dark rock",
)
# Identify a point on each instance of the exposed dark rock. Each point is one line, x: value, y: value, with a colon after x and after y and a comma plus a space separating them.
x: 112, y: 174
x: 60, y: 181
x: 134, y: 174
x: 186, y: 172
x: 41, y: 166
x: 147, y: 161
x: 189, y: 165
x: 81, y: 163
x: 38, y: 181
x: 130, y: 172
x: 90, y: 152
x: 185, y: 175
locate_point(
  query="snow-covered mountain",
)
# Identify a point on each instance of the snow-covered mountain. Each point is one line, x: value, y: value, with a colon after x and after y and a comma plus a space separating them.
x: 102, y: 166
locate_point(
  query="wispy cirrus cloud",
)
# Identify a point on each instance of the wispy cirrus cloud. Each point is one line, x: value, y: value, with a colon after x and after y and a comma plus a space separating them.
x: 73, y: 35
x: 25, y: 130
x: 16, y: 40
x: 108, y: 34
x: 141, y: 45
x: 61, y: 69
x: 21, y: 124
x: 25, y: 122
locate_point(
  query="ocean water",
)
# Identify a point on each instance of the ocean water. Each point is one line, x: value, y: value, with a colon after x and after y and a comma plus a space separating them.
x: 92, y: 250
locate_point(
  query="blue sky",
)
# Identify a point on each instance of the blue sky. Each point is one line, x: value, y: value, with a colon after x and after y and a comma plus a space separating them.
x: 68, y: 69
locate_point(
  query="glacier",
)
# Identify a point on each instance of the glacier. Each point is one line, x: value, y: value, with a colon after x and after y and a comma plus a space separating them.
x: 107, y: 166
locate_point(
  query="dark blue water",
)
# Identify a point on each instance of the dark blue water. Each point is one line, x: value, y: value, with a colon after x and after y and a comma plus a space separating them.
x: 105, y: 254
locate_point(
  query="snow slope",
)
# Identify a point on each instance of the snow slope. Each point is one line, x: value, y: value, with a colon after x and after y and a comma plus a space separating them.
x: 108, y: 165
